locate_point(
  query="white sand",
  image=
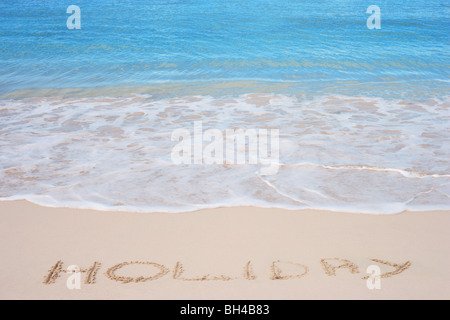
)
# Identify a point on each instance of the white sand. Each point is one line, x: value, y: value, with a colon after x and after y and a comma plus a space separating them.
x: 218, y: 244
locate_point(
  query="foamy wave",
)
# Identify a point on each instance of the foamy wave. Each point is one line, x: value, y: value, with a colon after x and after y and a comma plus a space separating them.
x: 355, y: 154
x: 405, y: 173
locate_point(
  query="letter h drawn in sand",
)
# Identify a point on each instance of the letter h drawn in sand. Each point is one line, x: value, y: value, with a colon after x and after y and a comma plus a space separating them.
x: 55, y: 271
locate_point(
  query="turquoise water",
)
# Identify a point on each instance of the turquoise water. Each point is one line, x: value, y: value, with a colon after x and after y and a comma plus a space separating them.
x: 87, y: 116
x: 318, y: 46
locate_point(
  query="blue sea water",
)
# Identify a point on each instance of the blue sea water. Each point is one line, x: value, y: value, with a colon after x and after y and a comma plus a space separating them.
x: 319, y: 46
x: 86, y: 116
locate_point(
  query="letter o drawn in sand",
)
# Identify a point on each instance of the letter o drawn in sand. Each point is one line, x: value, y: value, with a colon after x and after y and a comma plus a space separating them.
x: 110, y: 273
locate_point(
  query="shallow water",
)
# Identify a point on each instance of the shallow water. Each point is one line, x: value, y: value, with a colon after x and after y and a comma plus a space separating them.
x: 341, y: 153
x: 86, y: 116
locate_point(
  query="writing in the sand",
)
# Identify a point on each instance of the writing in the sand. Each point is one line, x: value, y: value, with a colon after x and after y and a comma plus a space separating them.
x: 278, y: 270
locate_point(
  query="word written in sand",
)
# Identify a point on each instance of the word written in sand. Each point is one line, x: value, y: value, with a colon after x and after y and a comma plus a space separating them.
x: 278, y: 270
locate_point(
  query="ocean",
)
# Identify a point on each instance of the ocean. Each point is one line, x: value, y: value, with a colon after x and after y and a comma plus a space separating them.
x: 87, y: 116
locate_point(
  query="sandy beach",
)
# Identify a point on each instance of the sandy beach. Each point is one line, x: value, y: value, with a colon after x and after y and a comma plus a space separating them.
x: 228, y: 253
x: 224, y: 150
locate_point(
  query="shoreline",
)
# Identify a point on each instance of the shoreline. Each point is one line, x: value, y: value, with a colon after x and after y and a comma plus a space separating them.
x: 133, y: 210
x: 225, y: 253
x: 220, y: 88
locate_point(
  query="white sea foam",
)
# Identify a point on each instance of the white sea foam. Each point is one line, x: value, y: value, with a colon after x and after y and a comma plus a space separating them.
x: 356, y: 154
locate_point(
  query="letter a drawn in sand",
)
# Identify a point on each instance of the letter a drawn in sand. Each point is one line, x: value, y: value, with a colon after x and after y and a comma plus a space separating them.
x: 345, y: 264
